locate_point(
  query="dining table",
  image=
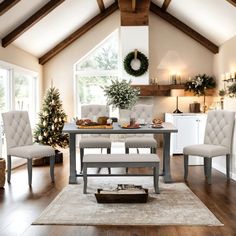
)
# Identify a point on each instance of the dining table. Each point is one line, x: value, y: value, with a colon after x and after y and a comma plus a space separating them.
x: 166, y: 129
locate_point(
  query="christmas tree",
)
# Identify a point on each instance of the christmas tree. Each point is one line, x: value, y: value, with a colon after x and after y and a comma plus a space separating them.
x: 51, y: 121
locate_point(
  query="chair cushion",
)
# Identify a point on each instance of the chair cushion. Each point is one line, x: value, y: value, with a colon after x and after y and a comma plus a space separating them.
x: 140, y: 142
x: 95, y: 142
x: 32, y: 151
x: 205, y: 150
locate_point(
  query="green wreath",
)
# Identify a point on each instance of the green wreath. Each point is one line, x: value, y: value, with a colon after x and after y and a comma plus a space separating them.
x: 143, y: 63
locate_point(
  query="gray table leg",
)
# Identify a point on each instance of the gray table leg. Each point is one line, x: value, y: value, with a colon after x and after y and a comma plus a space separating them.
x: 85, y: 178
x: 72, y: 178
x: 156, y: 178
x: 166, y: 158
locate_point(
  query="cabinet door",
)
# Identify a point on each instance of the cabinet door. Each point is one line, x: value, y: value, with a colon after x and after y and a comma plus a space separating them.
x: 187, y: 132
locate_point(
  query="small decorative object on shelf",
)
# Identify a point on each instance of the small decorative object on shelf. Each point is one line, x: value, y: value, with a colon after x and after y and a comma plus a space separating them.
x: 136, y: 55
x: 121, y: 95
x: 2, y: 172
x: 199, y: 84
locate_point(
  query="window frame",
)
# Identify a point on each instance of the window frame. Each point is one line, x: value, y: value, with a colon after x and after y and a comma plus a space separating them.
x: 93, y: 72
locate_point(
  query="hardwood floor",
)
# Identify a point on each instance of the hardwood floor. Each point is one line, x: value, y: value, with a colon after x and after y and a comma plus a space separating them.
x: 20, y: 205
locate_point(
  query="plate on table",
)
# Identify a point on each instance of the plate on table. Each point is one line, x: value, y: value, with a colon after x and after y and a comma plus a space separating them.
x: 157, y: 126
x: 136, y: 126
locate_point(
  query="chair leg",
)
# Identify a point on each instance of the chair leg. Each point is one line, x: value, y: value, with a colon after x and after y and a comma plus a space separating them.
x: 209, y: 165
x: 8, y: 168
x: 153, y: 150
x: 109, y: 152
x: 185, y: 167
x: 126, y: 152
x: 205, y: 166
x: 29, y: 167
x: 81, y: 159
x: 52, y: 164
x: 228, y: 166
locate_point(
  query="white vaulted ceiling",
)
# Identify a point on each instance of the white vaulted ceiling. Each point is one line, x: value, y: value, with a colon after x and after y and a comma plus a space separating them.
x: 214, y: 19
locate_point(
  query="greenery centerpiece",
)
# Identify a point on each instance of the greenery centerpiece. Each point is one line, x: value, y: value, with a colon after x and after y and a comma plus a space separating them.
x: 199, y: 84
x: 120, y: 94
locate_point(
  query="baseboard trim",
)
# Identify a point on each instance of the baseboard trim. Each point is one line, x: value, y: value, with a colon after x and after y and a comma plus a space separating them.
x: 223, y: 170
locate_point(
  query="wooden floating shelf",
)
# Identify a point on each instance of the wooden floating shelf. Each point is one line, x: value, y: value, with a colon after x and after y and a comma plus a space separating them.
x: 164, y: 90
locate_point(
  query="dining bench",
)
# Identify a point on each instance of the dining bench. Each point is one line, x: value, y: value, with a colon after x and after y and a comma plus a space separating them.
x: 121, y: 160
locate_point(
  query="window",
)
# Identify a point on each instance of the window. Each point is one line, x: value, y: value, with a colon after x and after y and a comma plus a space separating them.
x: 18, y: 90
x: 96, y: 70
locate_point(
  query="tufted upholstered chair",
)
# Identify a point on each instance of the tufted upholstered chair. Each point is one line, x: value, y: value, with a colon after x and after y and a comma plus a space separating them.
x: 94, y: 140
x: 19, y: 142
x: 141, y: 112
x: 217, y: 142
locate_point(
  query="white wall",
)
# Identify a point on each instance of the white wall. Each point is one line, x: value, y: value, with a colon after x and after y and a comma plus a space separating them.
x: 224, y: 62
x: 131, y: 38
x: 162, y: 38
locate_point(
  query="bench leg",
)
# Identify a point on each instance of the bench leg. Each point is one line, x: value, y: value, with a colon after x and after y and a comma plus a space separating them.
x: 156, y: 178
x: 109, y: 152
x: 126, y: 152
x: 81, y: 159
x: 85, y: 178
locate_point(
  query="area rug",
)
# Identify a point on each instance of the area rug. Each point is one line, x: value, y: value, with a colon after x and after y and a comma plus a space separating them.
x: 175, y: 205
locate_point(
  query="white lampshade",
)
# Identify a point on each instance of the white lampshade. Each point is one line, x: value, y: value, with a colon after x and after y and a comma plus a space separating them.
x: 172, y: 62
x: 177, y: 92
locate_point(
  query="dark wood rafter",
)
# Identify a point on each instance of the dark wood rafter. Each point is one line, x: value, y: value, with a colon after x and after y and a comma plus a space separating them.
x: 6, y: 5
x: 36, y: 17
x: 101, y: 5
x: 78, y: 33
x: 233, y: 2
x: 134, y: 13
x: 183, y: 27
x: 165, y: 5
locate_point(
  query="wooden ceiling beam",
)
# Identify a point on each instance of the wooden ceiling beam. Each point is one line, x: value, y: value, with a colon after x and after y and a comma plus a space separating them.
x: 36, y: 17
x: 134, y: 13
x: 184, y: 28
x: 233, y: 2
x: 78, y: 33
x: 6, y: 5
x: 165, y: 5
x: 101, y: 5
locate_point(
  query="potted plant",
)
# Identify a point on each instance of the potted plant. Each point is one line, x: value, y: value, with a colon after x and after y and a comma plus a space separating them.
x: 121, y: 95
x: 199, y: 84
x: 48, y: 131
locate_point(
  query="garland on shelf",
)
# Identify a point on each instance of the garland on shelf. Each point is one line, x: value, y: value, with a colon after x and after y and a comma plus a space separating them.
x: 143, y: 63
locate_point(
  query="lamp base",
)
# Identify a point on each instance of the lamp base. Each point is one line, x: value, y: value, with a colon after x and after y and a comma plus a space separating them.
x: 177, y: 111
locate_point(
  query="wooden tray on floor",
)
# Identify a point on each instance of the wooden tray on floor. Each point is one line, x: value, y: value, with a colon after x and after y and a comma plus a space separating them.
x: 139, y: 195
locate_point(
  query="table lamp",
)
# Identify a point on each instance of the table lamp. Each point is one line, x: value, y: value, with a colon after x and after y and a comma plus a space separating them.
x: 177, y: 93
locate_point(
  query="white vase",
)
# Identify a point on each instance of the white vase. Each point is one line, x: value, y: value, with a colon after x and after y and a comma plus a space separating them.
x: 124, y: 116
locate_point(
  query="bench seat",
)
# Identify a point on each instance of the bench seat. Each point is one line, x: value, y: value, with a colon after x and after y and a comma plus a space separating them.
x: 122, y: 160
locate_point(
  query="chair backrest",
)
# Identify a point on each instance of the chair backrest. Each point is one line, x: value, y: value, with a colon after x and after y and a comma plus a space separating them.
x: 142, y: 112
x: 219, y: 128
x: 17, y: 129
x: 91, y: 111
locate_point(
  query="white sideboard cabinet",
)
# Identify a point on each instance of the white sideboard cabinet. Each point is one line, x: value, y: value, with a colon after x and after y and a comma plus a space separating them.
x: 191, y: 129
